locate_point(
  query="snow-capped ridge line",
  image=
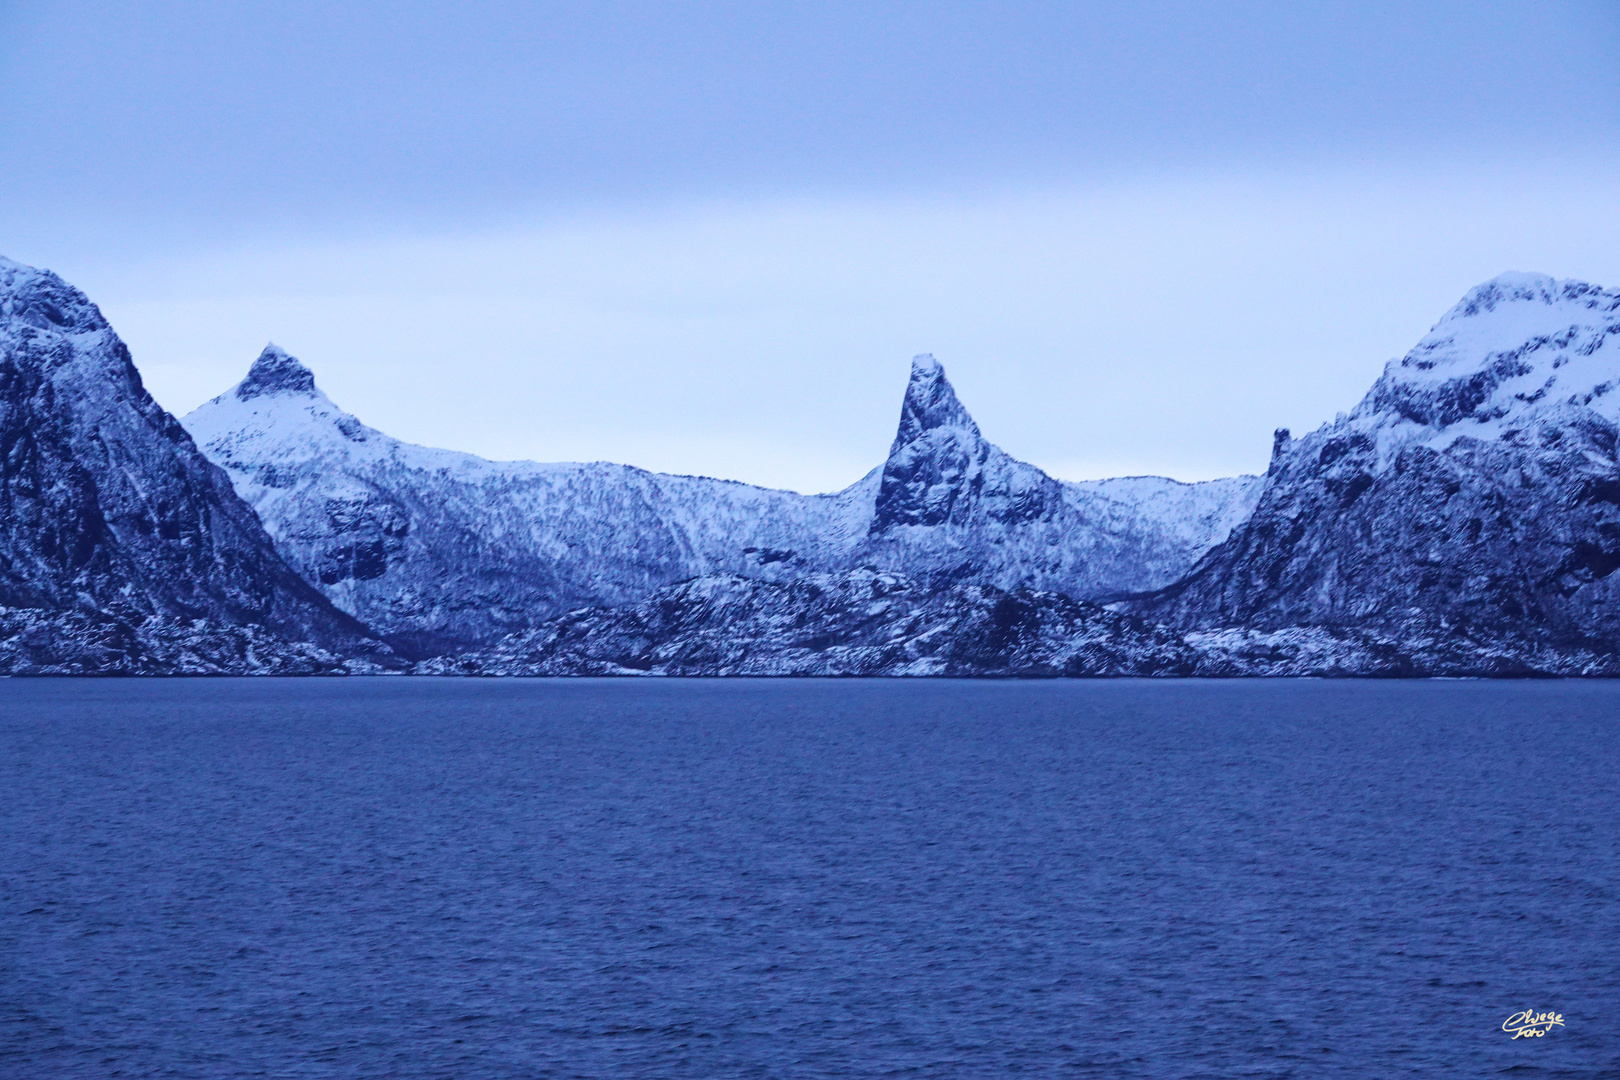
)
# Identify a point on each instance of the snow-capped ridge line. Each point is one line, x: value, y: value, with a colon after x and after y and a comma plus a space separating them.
x: 1475, y: 490
x: 1516, y: 286
x: 442, y: 550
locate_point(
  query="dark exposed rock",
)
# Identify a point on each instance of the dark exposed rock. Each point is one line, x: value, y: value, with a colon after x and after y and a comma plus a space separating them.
x: 1463, y: 520
x: 860, y: 622
x: 110, y: 517
x: 274, y: 372
x: 443, y: 552
x: 1453, y: 501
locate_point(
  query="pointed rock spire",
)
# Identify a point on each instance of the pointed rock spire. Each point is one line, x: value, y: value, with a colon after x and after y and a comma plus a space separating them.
x: 935, y: 464
x: 275, y: 372
x: 930, y: 404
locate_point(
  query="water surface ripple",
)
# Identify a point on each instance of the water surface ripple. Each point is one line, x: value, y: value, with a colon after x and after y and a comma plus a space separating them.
x: 780, y: 878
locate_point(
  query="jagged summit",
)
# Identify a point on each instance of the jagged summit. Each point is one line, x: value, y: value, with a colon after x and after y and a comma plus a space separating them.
x: 275, y: 372
x: 1512, y: 348
x: 936, y: 464
x: 1520, y: 287
x: 116, y: 535
x: 931, y: 403
x: 1476, y: 487
x: 443, y: 551
x: 949, y: 499
x: 35, y: 302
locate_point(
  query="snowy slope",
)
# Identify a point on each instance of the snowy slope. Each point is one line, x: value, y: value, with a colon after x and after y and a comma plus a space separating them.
x: 1474, y: 489
x: 441, y: 551
x: 1516, y: 350
x: 121, y: 547
x: 952, y: 504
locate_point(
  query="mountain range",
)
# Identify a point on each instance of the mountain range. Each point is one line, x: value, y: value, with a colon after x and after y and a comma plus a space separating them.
x: 1464, y: 518
x: 444, y: 552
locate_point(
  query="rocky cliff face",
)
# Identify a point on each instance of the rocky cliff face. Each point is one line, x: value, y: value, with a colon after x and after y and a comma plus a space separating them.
x: 952, y: 506
x: 1463, y: 519
x: 1473, y: 492
x: 121, y: 547
x: 868, y: 622
x: 443, y: 552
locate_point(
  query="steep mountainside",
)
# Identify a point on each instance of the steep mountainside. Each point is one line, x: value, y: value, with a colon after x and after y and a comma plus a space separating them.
x: 121, y: 547
x: 442, y: 552
x: 952, y: 505
x: 1474, y: 491
x: 1463, y: 519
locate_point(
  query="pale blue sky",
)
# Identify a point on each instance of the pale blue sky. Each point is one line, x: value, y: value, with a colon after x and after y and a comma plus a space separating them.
x: 707, y: 237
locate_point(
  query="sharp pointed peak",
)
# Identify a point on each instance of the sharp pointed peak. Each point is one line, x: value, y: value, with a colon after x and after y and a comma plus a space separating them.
x: 276, y: 371
x: 931, y: 402
x: 936, y: 469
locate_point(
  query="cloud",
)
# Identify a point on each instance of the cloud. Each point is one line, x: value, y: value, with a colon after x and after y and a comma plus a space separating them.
x: 210, y: 119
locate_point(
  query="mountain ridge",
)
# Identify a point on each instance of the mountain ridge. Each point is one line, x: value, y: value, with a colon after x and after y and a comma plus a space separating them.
x: 443, y: 551
x: 1462, y: 519
x: 1474, y: 487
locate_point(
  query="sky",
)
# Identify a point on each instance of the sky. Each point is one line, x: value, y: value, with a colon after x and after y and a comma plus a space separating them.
x: 708, y: 237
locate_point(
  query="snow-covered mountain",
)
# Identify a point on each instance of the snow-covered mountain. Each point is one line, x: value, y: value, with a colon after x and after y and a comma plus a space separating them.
x: 950, y: 504
x: 443, y: 552
x: 1475, y: 490
x: 1463, y: 519
x: 121, y: 548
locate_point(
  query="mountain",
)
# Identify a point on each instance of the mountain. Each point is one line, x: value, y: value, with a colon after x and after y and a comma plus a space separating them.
x: 1473, y: 494
x: 122, y: 549
x: 858, y: 622
x: 442, y: 552
x: 1463, y: 519
x: 951, y: 504
x: 865, y: 622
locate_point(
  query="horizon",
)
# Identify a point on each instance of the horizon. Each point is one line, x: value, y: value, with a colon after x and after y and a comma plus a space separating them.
x: 272, y: 348
x: 706, y: 242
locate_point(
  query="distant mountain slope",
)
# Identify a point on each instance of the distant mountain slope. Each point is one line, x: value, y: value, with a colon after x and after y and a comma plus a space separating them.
x: 443, y: 552
x: 121, y: 547
x: 865, y: 622
x: 1475, y: 489
x: 859, y: 622
x: 1464, y: 519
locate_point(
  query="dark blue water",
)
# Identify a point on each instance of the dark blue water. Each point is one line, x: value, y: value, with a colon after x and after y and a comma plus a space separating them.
x: 505, y: 879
